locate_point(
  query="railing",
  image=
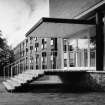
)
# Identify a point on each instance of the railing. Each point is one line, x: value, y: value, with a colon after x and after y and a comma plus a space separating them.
x: 82, y: 59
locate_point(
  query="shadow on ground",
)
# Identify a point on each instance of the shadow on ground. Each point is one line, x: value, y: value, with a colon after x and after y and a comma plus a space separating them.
x: 48, y: 88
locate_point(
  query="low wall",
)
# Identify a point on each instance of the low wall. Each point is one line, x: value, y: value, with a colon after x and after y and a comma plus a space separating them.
x: 98, y: 80
x: 94, y: 81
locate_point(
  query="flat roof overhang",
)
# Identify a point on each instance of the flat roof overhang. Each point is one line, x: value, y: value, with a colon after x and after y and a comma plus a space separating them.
x: 55, y: 27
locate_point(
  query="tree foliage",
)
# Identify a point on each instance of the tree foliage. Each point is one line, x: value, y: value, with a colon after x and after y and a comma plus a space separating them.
x: 6, y: 53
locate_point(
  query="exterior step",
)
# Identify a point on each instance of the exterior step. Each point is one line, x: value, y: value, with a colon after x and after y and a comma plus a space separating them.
x: 8, y: 86
x: 13, y: 83
x: 21, y: 79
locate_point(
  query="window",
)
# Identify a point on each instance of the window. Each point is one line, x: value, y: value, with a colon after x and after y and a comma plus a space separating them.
x: 31, y: 59
x: 35, y: 38
x: 44, y: 43
x: 64, y: 45
x: 31, y: 38
x: 31, y: 48
x: 23, y: 45
x: 54, y: 53
x: 44, y: 54
x: 23, y: 53
x: 37, y: 67
x: 65, y: 62
x: 26, y: 60
x: 44, y: 66
x: 53, y: 43
x: 37, y: 59
x: 36, y: 45
x: 26, y: 51
x: 36, y: 49
x: 44, y: 60
x: 26, y: 42
x: 53, y: 60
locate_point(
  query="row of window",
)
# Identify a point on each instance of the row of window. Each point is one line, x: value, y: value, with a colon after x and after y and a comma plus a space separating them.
x: 44, y: 41
x: 43, y: 61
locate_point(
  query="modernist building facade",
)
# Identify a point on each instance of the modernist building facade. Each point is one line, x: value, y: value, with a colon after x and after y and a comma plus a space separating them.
x: 59, y: 42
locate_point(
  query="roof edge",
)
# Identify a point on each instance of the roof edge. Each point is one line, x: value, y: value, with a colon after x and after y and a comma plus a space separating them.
x: 90, y: 10
x: 58, y: 20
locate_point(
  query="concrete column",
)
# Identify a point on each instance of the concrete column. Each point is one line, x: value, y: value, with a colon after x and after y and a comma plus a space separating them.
x: 76, y: 52
x: 88, y: 53
x: 99, y: 41
x: 62, y: 54
x: 104, y: 41
x: 67, y: 55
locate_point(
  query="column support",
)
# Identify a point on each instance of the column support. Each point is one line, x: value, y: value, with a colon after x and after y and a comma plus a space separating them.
x: 88, y: 52
x: 99, y: 41
x: 67, y: 55
x: 62, y: 54
x: 76, y: 53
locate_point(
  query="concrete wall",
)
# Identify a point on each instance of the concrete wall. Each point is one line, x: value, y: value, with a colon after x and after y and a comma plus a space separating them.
x: 94, y: 81
x: 98, y: 79
x: 69, y: 8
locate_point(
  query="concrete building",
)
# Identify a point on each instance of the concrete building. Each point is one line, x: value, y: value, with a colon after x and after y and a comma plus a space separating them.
x: 60, y: 42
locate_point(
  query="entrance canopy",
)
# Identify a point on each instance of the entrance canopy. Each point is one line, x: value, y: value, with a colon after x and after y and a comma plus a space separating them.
x: 55, y: 27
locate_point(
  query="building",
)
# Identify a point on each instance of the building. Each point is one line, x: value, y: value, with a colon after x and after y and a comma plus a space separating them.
x: 60, y: 42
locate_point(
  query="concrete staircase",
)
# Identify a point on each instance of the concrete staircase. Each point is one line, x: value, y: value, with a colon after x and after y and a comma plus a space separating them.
x: 21, y: 79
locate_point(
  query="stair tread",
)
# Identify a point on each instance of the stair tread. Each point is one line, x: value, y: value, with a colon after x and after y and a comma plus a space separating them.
x: 13, y: 83
x: 22, y: 78
x: 8, y: 86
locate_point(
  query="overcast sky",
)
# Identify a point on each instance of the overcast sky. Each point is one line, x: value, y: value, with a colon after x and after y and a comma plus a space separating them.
x: 18, y: 16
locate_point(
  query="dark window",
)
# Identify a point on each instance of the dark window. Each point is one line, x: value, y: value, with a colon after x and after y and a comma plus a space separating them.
x: 54, y: 53
x: 64, y: 45
x: 23, y: 53
x: 64, y: 48
x: 26, y: 60
x: 31, y: 47
x: 37, y: 67
x: 44, y: 54
x: 53, y: 62
x: 44, y: 66
x: 23, y: 45
x: 31, y: 66
x: 36, y: 44
x: 26, y: 49
x: 65, y: 62
x: 44, y: 42
x: 37, y: 58
x: 31, y: 39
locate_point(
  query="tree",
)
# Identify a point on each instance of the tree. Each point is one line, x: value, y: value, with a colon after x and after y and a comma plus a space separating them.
x: 6, y: 53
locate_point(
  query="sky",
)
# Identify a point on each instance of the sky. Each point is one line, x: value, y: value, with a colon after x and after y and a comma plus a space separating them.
x: 18, y: 16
